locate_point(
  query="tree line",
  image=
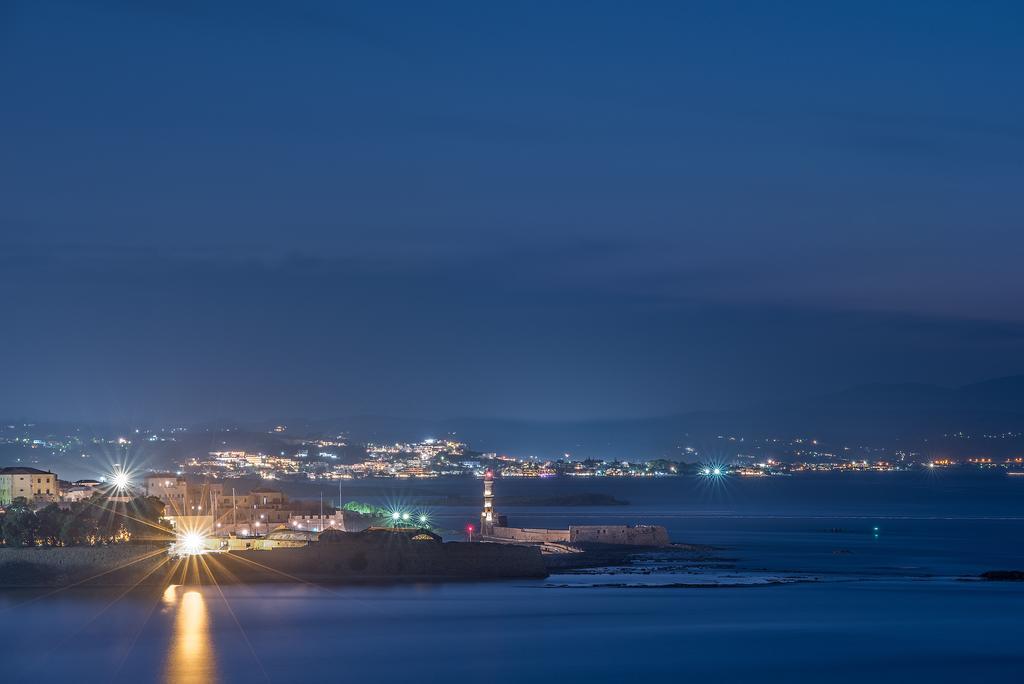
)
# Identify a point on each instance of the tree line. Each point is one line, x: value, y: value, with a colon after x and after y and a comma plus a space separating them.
x: 90, y: 522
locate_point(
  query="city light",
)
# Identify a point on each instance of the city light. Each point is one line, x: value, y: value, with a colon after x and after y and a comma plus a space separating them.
x: 712, y: 471
x: 190, y: 543
x: 121, y: 481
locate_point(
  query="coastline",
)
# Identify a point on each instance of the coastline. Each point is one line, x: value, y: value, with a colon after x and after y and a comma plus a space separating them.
x: 352, y: 562
x: 355, y: 561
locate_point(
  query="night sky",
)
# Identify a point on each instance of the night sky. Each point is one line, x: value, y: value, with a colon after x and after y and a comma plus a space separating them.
x: 527, y: 210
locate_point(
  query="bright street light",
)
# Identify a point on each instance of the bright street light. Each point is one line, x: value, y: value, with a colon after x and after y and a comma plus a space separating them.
x: 121, y: 481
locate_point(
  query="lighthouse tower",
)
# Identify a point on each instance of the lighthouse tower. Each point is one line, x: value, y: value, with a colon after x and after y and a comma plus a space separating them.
x: 487, y: 516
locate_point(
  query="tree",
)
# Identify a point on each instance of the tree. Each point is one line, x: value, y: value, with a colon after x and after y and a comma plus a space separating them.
x: 79, y: 527
x: 20, y: 524
x: 141, y: 519
x: 51, y: 521
x: 365, y: 509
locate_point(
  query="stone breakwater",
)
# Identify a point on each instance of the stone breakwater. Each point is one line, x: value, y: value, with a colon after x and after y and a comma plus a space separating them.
x: 610, y: 535
x: 359, y: 558
x: 114, y: 565
x: 355, y: 558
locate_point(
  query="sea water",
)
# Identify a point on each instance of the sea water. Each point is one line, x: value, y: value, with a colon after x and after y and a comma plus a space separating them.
x: 811, y: 578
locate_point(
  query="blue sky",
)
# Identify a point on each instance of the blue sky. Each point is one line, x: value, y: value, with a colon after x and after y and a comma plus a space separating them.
x: 544, y: 210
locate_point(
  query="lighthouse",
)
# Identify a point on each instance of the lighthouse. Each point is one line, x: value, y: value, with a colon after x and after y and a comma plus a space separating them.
x: 487, y: 516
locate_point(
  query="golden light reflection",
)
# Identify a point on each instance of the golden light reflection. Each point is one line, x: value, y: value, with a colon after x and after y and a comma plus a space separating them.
x: 191, y: 657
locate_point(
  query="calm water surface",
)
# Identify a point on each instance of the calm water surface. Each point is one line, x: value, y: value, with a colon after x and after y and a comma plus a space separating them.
x: 882, y: 605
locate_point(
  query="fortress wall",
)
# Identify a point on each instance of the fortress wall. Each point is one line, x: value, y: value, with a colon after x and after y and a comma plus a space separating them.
x: 361, y: 560
x: 110, y: 565
x: 524, y: 534
x: 351, y: 560
x: 630, y: 535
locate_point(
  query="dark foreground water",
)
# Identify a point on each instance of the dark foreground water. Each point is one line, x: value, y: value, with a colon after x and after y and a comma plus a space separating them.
x: 803, y: 588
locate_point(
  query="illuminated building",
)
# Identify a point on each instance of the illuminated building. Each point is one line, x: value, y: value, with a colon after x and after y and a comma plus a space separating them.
x: 345, y: 521
x: 31, y: 483
x: 77, y: 493
x: 181, y: 498
x: 254, y: 513
x: 171, y: 489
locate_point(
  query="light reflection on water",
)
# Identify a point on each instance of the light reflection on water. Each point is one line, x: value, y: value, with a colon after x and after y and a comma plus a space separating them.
x: 190, y: 656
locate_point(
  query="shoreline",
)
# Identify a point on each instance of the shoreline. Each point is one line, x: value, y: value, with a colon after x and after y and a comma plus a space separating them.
x: 358, y: 561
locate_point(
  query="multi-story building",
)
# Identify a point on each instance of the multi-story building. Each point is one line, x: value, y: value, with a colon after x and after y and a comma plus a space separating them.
x: 257, y: 512
x: 37, y: 486
x: 181, y: 498
x: 171, y: 489
x: 76, y: 493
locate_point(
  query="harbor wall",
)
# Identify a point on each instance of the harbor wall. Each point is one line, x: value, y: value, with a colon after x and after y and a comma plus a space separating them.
x: 525, y: 534
x: 115, y: 564
x: 624, y: 535
x: 357, y: 557
x: 621, y: 535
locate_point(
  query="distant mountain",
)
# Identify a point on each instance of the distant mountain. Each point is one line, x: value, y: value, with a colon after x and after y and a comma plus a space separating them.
x: 909, y: 411
x: 1003, y: 394
x: 867, y: 414
x: 912, y: 416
